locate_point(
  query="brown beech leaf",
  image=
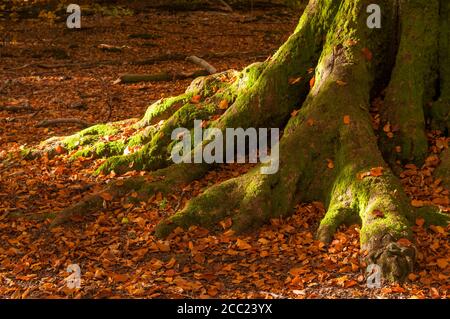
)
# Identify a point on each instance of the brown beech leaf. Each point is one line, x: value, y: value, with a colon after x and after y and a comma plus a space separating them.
x: 378, y: 213
x: 367, y: 54
x: 106, y: 196
x: 346, y: 119
x: 376, y: 171
x: 312, y: 82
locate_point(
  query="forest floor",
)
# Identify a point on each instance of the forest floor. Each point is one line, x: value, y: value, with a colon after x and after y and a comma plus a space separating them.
x: 53, y: 72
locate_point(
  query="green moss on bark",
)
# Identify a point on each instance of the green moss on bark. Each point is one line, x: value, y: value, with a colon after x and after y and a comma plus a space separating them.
x: 413, y: 81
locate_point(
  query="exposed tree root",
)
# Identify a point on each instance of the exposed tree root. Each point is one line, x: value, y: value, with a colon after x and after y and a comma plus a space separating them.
x: 440, y: 110
x: 432, y: 216
x: 164, y: 181
x: 378, y: 201
x: 412, y: 82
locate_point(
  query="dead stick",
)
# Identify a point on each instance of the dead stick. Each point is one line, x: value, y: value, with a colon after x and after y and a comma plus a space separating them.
x: 157, y: 77
x: 200, y: 62
x: 16, y: 108
x: 46, y: 123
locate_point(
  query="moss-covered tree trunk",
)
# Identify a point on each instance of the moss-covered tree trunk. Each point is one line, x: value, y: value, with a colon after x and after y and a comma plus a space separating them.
x: 407, y: 58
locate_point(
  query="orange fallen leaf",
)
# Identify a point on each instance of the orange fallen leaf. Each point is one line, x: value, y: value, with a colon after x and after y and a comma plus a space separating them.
x: 367, y: 54
x: 363, y: 174
x: 163, y: 246
x: 437, y: 229
x: 296, y: 271
x: 442, y: 263
x: 229, y: 233
x: 341, y: 83
x: 294, y: 113
x: 346, y: 119
x: 330, y: 164
x: 60, y: 150
x: 223, y: 105
x: 106, y: 196
x: 417, y: 203
x: 404, y: 242
x: 378, y: 213
x: 226, y: 223
x: 350, y: 283
x: 312, y: 82
x: 119, y: 277
x: 242, y: 244
x: 199, y: 258
x: 420, y: 222
x: 398, y: 289
x: 376, y: 171
x: 412, y: 277
x: 196, y: 99
x: 351, y: 42
x: 212, y: 291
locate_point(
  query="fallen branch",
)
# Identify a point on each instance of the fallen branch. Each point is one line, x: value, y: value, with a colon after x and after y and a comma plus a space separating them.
x: 69, y: 64
x: 212, y: 55
x: 16, y: 108
x: 158, y: 77
x: 200, y: 62
x: 55, y: 122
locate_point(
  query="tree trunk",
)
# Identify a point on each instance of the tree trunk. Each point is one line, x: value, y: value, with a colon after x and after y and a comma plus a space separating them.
x: 326, y: 119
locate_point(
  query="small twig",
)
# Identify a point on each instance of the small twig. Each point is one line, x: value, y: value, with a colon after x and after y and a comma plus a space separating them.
x: 200, y: 62
x: 164, y: 76
x: 108, y: 100
x: 179, y: 201
x: 47, y: 123
x: 110, y: 108
x: 225, y: 6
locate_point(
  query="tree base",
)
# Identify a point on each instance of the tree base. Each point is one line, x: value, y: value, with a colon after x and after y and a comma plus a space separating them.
x: 328, y: 151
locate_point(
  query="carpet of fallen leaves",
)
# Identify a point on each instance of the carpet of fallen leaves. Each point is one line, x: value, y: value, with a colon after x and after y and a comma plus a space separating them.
x: 115, y: 248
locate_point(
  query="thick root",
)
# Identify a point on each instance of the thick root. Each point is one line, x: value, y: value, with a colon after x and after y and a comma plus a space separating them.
x: 432, y: 215
x: 250, y: 200
x: 412, y: 82
x: 396, y: 260
x: 163, y: 180
x: 328, y: 151
x: 440, y: 110
x: 150, y: 137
